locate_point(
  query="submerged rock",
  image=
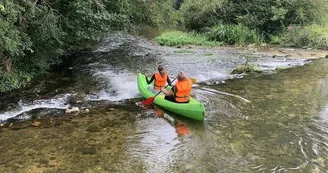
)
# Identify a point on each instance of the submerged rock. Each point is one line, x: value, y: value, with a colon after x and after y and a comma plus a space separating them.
x: 87, y: 150
x: 85, y: 110
x: 69, y: 128
x: 36, y: 123
x: 94, y: 128
x: 74, y: 109
x: 44, y: 161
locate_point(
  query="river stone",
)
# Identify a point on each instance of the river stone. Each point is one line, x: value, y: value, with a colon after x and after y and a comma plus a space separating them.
x: 36, y: 124
x: 326, y: 56
x: 73, y: 110
x: 69, y: 128
x: 189, y: 167
x: 75, y: 121
x: 107, y: 123
x: 9, y: 108
x: 52, y: 82
x: 291, y: 115
x: 44, y: 161
x: 88, y: 150
x: 316, y: 170
x: 93, y: 128
x: 86, y: 110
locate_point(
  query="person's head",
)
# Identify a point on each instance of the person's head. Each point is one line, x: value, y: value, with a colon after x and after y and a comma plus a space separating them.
x: 160, y: 69
x: 181, y: 76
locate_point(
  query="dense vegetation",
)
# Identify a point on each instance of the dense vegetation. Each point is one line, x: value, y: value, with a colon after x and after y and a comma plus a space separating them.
x: 300, y: 23
x: 35, y: 34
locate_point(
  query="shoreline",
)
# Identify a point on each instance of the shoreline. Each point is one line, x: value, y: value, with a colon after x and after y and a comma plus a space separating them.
x: 265, y: 51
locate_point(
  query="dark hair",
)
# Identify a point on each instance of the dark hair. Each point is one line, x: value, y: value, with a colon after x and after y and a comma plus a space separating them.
x: 160, y: 68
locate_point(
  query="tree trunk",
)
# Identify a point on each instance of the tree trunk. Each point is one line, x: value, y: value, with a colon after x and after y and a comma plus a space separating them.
x: 6, y: 65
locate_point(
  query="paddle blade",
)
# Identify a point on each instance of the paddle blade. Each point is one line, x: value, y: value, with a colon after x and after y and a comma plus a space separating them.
x: 193, y: 80
x: 148, y: 101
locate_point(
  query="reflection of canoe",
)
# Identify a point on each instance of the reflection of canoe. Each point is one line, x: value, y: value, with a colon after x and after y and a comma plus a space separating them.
x: 194, y: 109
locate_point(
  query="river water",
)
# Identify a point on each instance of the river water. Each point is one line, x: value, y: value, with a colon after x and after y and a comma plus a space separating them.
x: 276, y: 121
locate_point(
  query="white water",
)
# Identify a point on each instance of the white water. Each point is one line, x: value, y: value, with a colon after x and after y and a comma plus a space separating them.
x: 55, y: 103
x: 117, y: 86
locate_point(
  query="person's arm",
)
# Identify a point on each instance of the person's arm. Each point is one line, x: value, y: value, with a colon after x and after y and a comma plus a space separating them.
x: 151, y: 80
x: 169, y: 82
x: 167, y: 92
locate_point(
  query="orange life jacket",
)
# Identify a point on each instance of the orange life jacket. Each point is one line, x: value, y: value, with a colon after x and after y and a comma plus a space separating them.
x: 183, y: 90
x: 160, y: 81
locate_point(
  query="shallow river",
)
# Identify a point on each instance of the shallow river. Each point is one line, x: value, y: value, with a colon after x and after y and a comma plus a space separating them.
x: 276, y: 121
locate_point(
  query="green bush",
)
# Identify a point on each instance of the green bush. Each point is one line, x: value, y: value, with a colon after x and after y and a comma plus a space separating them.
x: 235, y: 34
x: 13, y: 80
x: 270, y: 17
x: 246, y: 69
x: 148, y: 12
x: 44, y: 31
x: 197, y: 15
x: 276, y: 39
x: 179, y: 38
x: 34, y: 34
x: 308, y: 36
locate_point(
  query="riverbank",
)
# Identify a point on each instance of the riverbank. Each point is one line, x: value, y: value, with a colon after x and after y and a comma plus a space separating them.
x: 277, y: 51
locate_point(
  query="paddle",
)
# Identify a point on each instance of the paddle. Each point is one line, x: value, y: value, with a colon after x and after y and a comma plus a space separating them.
x: 150, y: 100
x: 193, y: 80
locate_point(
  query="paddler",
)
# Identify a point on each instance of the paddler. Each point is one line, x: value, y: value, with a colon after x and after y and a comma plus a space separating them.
x: 160, y: 79
x: 180, y: 92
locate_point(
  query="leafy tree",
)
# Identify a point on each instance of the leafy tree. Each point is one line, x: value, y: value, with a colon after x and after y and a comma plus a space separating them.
x: 269, y: 16
x: 35, y: 33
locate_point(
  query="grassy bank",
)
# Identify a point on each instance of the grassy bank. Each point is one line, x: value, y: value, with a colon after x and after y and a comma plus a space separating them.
x: 179, y: 38
x: 216, y: 36
x: 311, y: 36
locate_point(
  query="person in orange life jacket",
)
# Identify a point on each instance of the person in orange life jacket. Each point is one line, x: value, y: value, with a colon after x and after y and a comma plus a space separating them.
x: 180, y: 92
x: 160, y: 79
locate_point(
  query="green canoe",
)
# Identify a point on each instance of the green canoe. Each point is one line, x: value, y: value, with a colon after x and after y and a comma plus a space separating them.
x: 194, y: 109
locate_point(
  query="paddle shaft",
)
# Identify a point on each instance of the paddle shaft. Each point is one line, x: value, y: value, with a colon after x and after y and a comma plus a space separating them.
x: 165, y: 87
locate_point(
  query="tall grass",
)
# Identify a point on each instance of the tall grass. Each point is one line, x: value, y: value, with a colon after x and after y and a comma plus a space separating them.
x: 235, y: 34
x: 218, y: 35
x: 179, y: 38
x: 314, y: 36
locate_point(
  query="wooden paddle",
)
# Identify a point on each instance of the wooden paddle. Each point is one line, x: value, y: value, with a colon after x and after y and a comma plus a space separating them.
x: 150, y: 100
